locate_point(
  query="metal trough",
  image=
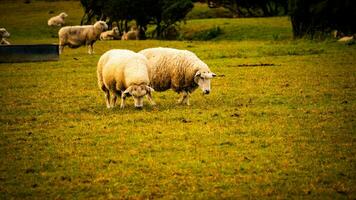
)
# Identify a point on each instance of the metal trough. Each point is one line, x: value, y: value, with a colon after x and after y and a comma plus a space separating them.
x: 29, y: 53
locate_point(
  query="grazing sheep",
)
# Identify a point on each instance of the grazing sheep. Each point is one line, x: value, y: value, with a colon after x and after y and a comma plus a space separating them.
x: 124, y: 73
x: 57, y: 20
x: 4, y: 34
x: 76, y: 36
x: 110, y: 35
x: 179, y: 70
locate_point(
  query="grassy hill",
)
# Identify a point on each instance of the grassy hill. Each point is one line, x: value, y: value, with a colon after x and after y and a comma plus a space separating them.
x: 279, y: 122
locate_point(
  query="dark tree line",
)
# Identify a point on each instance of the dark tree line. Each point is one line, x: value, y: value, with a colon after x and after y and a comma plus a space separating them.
x: 252, y: 8
x: 311, y: 18
x: 315, y: 18
x: 164, y: 14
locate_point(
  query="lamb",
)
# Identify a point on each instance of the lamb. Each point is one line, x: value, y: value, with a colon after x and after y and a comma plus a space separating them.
x: 124, y: 73
x: 179, y: 70
x: 3, y: 35
x: 76, y: 36
x: 110, y: 35
x: 57, y: 20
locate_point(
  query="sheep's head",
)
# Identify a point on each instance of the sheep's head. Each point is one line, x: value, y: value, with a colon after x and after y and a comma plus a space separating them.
x: 137, y: 92
x: 115, y: 31
x: 4, y: 33
x: 101, y: 25
x: 63, y: 15
x: 202, y: 78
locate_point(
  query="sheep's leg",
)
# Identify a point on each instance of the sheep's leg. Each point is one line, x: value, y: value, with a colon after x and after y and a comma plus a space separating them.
x: 116, y: 94
x: 114, y: 101
x: 123, y: 104
x: 90, y: 49
x: 107, y: 96
x: 185, y: 98
x: 61, y: 47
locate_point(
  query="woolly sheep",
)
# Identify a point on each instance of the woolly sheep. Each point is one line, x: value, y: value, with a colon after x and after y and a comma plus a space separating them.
x: 110, y: 35
x: 4, y: 34
x: 124, y: 73
x: 57, y: 20
x: 179, y: 70
x: 76, y: 36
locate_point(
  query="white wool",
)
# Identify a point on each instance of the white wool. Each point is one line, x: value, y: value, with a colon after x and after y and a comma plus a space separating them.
x: 179, y: 70
x: 118, y: 70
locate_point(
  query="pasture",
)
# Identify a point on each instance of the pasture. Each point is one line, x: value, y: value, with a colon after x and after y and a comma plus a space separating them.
x: 279, y: 122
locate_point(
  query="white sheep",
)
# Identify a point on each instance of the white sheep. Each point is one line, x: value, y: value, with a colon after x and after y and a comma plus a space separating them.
x: 3, y: 35
x: 179, y: 70
x: 110, y: 35
x: 124, y: 73
x: 57, y: 20
x: 76, y: 36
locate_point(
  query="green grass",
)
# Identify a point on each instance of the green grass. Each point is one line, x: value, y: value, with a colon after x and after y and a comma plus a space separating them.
x: 285, y: 131
x: 202, y: 11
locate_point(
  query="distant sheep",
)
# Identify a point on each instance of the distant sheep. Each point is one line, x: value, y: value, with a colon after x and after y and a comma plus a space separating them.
x: 124, y: 73
x: 346, y: 39
x: 179, y: 70
x: 57, y: 20
x: 131, y: 35
x: 3, y: 35
x: 110, y: 35
x: 76, y: 36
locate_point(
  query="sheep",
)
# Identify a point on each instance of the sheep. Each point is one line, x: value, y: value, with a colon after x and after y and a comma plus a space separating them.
x: 124, y: 73
x: 179, y: 70
x: 4, y: 34
x: 131, y: 35
x: 110, y: 35
x: 76, y: 36
x: 346, y: 39
x: 57, y: 20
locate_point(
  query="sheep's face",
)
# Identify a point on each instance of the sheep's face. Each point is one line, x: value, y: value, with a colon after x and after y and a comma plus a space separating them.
x: 63, y: 15
x: 101, y: 25
x: 4, y: 33
x: 115, y: 30
x: 202, y: 78
x: 138, y: 92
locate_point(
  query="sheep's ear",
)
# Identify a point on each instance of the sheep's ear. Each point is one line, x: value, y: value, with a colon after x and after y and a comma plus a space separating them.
x: 127, y: 91
x: 197, y: 74
x: 148, y: 88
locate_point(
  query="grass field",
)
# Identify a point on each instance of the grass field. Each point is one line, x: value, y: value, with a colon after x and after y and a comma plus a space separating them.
x: 284, y: 131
